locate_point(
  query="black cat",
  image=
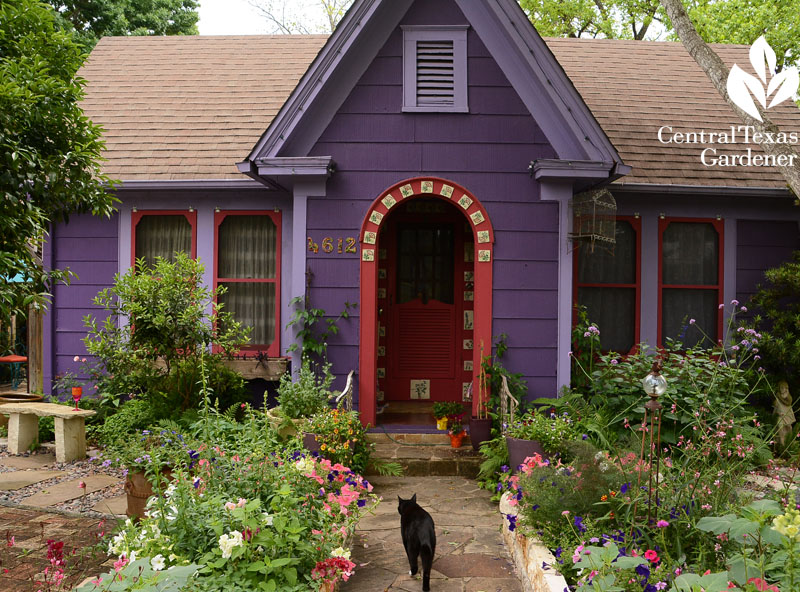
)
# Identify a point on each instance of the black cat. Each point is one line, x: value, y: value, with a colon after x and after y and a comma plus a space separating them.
x: 419, y: 537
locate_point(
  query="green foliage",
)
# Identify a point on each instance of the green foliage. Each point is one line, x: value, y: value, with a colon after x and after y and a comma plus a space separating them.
x: 47, y: 430
x: 778, y: 320
x: 140, y: 575
x: 50, y: 153
x: 744, y: 21
x: 447, y: 408
x: 341, y: 437
x: 155, y: 337
x: 132, y: 417
x: 306, y: 396
x: 731, y: 21
x: 495, y: 455
x: 553, y: 431
x: 99, y: 18
x: 615, y: 19
x: 719, y: 380
x: 306, y: 322
x: 494, y: 372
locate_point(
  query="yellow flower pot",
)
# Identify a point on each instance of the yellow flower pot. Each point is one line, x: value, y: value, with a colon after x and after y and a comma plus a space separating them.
x: 441, y: 423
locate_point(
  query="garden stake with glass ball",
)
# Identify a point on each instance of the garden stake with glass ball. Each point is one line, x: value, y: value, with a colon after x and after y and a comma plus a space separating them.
x: 654, y: 385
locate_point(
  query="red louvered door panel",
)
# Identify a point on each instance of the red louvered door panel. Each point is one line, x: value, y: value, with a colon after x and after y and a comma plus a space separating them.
x: 424, y: 307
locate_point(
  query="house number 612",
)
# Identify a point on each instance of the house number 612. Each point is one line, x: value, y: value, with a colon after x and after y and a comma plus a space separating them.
x: 342, y: 245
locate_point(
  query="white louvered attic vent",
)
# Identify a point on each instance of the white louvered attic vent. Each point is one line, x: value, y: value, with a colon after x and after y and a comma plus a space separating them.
x: 435, y: 73
x: 435, y: 68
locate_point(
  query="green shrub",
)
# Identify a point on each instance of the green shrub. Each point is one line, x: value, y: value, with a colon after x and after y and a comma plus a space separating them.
x: 308, y: 395
x: 160, y: 360
x: 133, y: 416
x: 47, y: 430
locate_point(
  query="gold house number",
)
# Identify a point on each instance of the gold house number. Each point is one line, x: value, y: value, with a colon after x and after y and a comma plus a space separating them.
x: 342, y: 245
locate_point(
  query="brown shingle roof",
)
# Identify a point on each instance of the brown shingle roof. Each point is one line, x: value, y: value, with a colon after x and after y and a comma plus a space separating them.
x: 189, y: 107
x: 635, y: 87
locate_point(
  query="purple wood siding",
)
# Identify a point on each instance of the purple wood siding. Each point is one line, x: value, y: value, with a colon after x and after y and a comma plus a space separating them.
x: 761, y: 245
x: 89, y: 247
x: 487, y: 151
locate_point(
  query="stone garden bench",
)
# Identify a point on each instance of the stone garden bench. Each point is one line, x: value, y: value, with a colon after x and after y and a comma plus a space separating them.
x: 23, y: 428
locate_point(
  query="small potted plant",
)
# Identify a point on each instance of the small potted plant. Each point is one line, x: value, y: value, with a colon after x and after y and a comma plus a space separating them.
x: 456, y: 430
x: 538, y: 432
x: 442, y: 410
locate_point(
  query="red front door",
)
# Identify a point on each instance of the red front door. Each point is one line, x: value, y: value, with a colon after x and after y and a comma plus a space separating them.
x: 423, y: 307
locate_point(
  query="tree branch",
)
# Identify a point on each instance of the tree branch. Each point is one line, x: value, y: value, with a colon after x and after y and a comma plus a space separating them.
x: 717, y: 72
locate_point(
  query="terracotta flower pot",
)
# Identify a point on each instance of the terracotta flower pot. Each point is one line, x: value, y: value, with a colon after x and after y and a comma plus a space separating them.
x: 457, y: 439
x: 138, y: 490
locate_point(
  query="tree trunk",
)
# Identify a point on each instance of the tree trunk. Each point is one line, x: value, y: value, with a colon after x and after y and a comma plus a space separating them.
x: 717, y: 71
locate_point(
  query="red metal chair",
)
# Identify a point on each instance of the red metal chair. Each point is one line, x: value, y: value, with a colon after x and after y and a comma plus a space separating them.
x: 16, y: 361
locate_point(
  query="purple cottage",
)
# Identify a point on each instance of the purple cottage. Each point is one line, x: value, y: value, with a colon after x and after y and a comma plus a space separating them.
x: 444, y: 168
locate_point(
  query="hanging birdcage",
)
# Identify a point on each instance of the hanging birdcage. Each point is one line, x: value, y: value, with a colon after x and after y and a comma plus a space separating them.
x: 594, y: 218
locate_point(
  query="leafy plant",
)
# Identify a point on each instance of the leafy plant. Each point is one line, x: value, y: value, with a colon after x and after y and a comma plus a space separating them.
x: 156, y: 328
x: 146, y: 574
x: 552, y: 431
x: 306, y: 321
x: 308, y: 395
x: 342, y: 437
x: 447, y: 408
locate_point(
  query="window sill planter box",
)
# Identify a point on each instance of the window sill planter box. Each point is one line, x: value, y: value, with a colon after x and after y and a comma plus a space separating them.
x: 264, y: 368
x: 529, y: 555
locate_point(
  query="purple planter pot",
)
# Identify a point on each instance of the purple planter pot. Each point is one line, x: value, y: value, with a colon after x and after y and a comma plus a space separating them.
x: 519, y: 450
x: 480, y: 430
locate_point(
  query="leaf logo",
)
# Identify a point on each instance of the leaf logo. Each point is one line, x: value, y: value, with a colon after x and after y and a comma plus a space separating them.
x: 742, y: 87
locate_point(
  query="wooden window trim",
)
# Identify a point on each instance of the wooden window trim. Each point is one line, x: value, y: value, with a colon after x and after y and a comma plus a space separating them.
x: 273, y: 349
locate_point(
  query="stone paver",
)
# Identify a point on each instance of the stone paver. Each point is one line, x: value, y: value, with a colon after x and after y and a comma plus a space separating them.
x: 430, y: 456
x: 34, y: 461
x: 112, y: 505
x: 19, y: 479
x: 69, y: 490
x: 470, y: 554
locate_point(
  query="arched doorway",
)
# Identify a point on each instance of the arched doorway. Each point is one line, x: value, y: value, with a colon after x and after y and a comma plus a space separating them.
x: 411, y: 228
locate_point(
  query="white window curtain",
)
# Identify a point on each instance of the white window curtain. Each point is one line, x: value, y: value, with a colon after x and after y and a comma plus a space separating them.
x: 162, y: 236
x: 612, y: 308
x: 690, y: 257
x: 247, y: 247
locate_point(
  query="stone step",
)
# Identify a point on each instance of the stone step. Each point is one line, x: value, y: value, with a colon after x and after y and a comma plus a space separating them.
x: 409, y: 438
x: 421, y: 459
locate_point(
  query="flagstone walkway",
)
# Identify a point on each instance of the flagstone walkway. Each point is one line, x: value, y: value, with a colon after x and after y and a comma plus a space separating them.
x: 470, y: 555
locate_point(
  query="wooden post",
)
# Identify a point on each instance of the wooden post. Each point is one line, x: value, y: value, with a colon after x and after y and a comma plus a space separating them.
x: 35, y: 350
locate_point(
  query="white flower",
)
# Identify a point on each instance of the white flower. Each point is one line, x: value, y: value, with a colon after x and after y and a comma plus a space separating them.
x: 170, y: 490
x: 341, y: 552
x: 158, y: 562
x: 267, y: 519
x: 132, y: 557
x: 172, y: 557
x: 227, y: 542
x: 304, y: 465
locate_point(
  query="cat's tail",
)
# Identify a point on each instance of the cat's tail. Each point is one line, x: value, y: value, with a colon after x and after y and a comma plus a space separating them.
x: 426, y: 554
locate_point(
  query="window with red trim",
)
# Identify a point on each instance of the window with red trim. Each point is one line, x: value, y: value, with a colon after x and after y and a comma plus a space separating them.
x: 607, y: 283
x: 162, y: 233
x: 690, y: 280
x: 248, y: 265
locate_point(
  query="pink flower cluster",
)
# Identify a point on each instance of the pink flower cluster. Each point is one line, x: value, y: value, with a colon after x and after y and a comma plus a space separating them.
x: 332, y: 569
